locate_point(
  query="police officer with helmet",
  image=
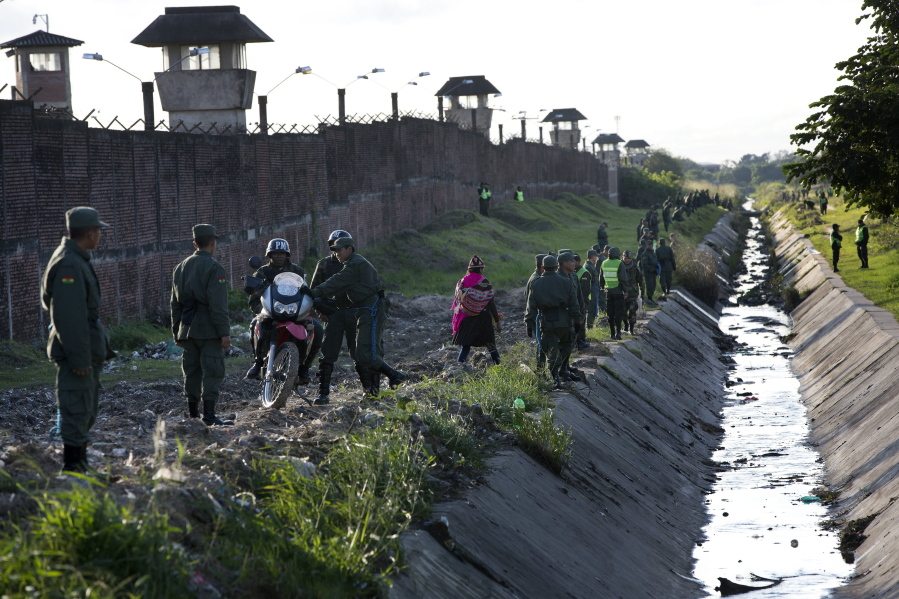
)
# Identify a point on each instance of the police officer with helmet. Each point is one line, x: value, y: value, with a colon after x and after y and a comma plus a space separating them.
x: 339, y: 317
x: 278, y: 254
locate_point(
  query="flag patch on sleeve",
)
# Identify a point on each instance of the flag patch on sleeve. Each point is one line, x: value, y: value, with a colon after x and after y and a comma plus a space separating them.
x: 222, y: 280
x: 67, y: 280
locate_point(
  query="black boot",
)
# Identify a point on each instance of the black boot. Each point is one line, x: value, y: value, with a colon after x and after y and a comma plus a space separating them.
x: 325, y: 370
x: 71, y: 458
x: 193, y: 408
x: 374, y: 382
x: 209, y: 417
x: 303, y: 375
x: 253, y: 372
x: 394, y: 376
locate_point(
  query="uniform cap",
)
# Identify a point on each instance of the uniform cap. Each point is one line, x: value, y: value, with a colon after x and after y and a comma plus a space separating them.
x: 565, y: 251
x: 592, y: 254
x: 550, y: 262
x: 343, y: 242
x: 83, y: 217
x: 566, y: 257
x: 539, y: 258
x: 204, y: 230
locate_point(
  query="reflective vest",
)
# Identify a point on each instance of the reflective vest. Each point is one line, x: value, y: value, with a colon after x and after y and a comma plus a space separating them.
x: 860, y: 234
x: 485, y: 194
x: 582, y: 271
x: 835, y: 242
x: 610, y: 272
x: 519, y: 196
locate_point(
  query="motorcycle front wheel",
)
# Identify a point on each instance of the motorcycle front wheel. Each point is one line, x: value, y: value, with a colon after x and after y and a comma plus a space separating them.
x: 280, y: 377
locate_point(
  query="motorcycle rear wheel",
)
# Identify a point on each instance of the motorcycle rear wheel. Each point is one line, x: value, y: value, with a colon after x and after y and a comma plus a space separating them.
x: 278, y: 387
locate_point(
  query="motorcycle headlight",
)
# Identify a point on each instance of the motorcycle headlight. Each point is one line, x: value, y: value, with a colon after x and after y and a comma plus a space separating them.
x: 285, y: 308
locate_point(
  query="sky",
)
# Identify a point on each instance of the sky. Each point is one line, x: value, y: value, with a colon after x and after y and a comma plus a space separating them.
x: 710, y: 80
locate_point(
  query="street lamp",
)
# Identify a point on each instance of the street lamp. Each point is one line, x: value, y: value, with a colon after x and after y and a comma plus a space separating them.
x: 146, y: 88
x: 45, y: 18
x: 394, y: 96
x: 263, y: 100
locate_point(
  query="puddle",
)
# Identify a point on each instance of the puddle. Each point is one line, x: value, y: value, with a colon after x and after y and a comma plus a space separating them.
x: 759, y: 524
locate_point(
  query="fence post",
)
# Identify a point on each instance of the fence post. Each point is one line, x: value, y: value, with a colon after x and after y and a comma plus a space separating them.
x: 263, y: 115
x: 500, y: 133
x: 440, y: 108
x: 149, y: 117
x: 524, y: 130
x: 395, y: 104
x: 541, y: 134
x: 341, y: 106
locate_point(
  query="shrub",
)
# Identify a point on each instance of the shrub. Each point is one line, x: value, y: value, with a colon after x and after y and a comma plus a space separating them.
x: 790, y: 297
x: 697, y: 273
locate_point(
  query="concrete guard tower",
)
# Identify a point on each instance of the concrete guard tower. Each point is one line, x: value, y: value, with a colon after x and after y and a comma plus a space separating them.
x: 608, y: 147
x: 565, y: 133
x: 469, y: 105
x: 42, y: 68
x: 637, y: 151
x: 205, y: 87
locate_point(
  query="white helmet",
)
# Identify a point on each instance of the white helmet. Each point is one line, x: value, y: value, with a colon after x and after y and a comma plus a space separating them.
x: 278, y: 245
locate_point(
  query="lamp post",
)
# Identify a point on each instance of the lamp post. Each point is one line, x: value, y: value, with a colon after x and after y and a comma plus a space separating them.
x: 341, y: 94
x: 394, y: 96
x: 263, y: 100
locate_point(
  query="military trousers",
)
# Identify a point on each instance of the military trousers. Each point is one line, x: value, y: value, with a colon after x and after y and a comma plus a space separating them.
x: 630, y: 310
x: 370, y: 326
x: 650, y: 278
x: 77, y: 402
x: 615, y: 305
x: 862, y: 250
x: 341, y: 325
x: 556, y: 343
x: 203, y: 365
x: 665, y: 278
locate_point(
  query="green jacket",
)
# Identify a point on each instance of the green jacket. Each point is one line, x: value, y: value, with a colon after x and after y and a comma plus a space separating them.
x: 200, y: 299
x: 324, y: 270
x: 629, y: 283
x: 555, y: 297
x: 357, y: 282
x: 665, y: 258
x: 269, y: 272
x: 70, y: 292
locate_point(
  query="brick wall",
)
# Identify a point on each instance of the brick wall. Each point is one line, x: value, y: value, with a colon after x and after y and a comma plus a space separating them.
x: 373, y: 180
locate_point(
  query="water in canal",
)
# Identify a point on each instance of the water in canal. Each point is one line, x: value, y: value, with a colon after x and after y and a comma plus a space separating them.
x: 759, y: 523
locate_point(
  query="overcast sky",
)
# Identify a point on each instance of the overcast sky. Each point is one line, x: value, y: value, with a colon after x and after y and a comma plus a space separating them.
x: 707, y: 79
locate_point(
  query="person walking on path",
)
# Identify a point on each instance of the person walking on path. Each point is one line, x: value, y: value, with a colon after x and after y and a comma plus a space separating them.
x: 649, y: 266
x: 631, y: 292
x: 484, y: 195
x: 201, y: 325
x: 836, y: 241
x: 78, y: 344
x: 667, y: 266
x: 822, y: 202
x: 552, y: 309
x: 612, y: 275
x: 861, y: 242
x: 474, y: 312
x: 358, y: 282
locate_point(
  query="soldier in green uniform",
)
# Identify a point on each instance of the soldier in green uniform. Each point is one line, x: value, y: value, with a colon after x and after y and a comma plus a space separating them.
x: 358, y: 282
x: 538, y: 271
x: 649, y: 265
x: 552, y: 310
x: 200, y: 324
x: 340, y: 321
x: 77, y: 344
x: 567, y: 269
x: 631, y: 291
x: 861, y: 241
x: 667, y: 265
x: 585, y: 285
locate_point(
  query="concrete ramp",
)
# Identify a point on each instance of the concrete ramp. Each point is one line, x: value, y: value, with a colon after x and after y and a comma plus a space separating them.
x: 622, y: 519
x: 847, y: 360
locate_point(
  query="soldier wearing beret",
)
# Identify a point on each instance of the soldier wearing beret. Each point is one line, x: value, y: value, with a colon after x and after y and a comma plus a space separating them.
x: 78, y: 343
x: 200, y: 324
x: 359, y: 284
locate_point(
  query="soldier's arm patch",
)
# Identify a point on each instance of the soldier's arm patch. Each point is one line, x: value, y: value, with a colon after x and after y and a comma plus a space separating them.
x: 67, y: 280
x: 222, y: 279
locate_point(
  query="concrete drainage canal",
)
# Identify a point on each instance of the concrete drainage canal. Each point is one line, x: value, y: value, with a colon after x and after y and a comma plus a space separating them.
x: 766, y: 534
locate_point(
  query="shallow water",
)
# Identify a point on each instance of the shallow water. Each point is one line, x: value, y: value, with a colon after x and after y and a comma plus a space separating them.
x: 755, y: 508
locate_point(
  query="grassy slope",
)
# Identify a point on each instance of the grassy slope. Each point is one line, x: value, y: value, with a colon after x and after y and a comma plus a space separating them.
x: 880, y: 283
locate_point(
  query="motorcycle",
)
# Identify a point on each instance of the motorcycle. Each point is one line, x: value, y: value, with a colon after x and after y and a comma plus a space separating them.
x: 287, y: 306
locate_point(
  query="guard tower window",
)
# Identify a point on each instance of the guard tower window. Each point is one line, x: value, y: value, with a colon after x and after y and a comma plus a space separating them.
x: 45, y: 61
x: 201, y: 62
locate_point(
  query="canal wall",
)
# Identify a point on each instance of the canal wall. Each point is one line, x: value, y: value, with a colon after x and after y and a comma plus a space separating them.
x: 846, y: 358
x: 626, y: 512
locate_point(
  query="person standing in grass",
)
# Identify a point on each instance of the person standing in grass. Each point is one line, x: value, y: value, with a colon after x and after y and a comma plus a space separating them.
x: 836, y: 241
x: 667, y: 266
x: 861, y: 242
x: 631, y: 292
x: 822, y: 201
x: 474, y: 312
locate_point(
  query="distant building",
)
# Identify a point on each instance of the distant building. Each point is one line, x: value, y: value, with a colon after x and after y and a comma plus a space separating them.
x: 637, y: 151
x: 205, y: 78
x: 469, y: 102
x: 565, y: 133
x: 42, y: 68
x: 608, y: 147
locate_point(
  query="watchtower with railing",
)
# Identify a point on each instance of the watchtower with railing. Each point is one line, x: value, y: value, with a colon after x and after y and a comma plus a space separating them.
x: 469, y: 99
x: 42, y: 69
x: 565, y: 132
x: 608, y: 147
x: 637, y: 151
x: 205, y: 78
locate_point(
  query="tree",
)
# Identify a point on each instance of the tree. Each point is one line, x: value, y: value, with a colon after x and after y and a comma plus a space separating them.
x: 660, y: 161
x: 854, y: 132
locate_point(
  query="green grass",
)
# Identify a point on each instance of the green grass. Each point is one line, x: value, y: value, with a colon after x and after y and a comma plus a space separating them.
x: 691, y: 230
x: 879, y: 283
x: 130, y: 336
x: 432, y: 260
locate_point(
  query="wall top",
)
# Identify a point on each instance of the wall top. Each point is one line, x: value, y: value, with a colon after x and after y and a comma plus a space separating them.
x: 197, y: 25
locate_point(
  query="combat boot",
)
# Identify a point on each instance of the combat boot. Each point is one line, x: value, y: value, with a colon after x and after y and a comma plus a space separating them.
x: 209, y: 417
x: 303, y: 375
x: 72, y: 460
x: 394, y: 376
x: 374, y: 383
x: 193, y: 408
x: 325, y: 370
x: 253, y: 372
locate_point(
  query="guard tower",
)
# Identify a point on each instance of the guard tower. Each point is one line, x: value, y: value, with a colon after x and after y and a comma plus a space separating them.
x: 637, y: 151
x: 204, y: 78
x: 608, y: 147
x: 42, y: 68
x: 565, y: 133
x: 469, y: 106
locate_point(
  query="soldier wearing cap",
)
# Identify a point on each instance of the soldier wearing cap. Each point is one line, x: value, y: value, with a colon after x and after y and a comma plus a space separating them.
x: 200, y: 324
x: 552, y: 309
x: 359, y: 284
x: 78, y: 343
x: 567, y: 268
x: 596, y: 296
x: 278, y: 253
x: 339, y: 317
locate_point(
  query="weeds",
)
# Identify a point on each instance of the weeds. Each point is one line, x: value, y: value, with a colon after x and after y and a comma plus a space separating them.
x: 697, y: 273
x: 134, y: 335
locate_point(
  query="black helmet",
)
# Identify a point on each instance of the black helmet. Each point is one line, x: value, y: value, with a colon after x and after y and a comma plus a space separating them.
x: 277, y: 245
x: 335, y: 235
x: 614, y: 253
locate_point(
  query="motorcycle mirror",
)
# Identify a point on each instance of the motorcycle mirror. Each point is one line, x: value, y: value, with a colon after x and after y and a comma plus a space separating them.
x: 255, y: 262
